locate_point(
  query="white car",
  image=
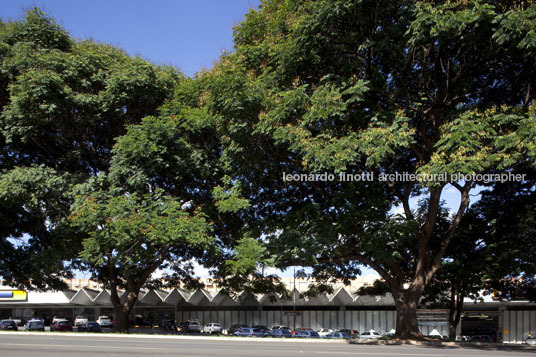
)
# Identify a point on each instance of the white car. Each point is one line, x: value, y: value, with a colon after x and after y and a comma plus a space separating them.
x: 58, y: 318
x: 104, y: 321
x: 323, y: 332
x: 80, y: 321
x: 463, y: 338
x: 212, y: 328
x: 369, y: 334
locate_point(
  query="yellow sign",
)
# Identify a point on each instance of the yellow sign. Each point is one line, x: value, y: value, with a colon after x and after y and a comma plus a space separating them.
x: 506, y: 331
x: 13, y: 295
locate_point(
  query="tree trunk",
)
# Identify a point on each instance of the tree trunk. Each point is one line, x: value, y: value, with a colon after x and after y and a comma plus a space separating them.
x: 406, y: 301
x: 455, y: 312
x: 122, y: 310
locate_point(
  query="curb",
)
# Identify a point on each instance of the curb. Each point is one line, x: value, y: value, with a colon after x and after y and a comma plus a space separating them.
x: 177, y: 337
x: 371, y: 342
x: 498, y: 346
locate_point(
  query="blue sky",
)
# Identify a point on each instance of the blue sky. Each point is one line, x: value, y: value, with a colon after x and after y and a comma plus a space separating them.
x: 187, y: 34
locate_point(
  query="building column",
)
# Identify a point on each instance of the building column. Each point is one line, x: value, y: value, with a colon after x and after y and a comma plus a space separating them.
x: 500, y: 325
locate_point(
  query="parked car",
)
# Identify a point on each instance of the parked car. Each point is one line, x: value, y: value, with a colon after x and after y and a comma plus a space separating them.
x: 352, y: 333
x: 194, y: 326
x: 235, y: 328
x: 369, y: 334
x: 263, y: 328
x: 34, y: 325
x: 190, y: 326
x: 6, y: 325
x: 301, y: 329
x: 462, y: 338
x: 61, y: 325
x: 280, y: 327
x: 307, y: 334
x: 212, y: 328
x: 249, y: 332
x: 90, y: 326
x: 338, y: 335
x: 80, y: 321
x: 530, y: 338
x: 323, y: 332
x: 19, y: 322
x: 482, y: 338
x: 57, y: 318
x: 104, y: 321
x: 279, y: 333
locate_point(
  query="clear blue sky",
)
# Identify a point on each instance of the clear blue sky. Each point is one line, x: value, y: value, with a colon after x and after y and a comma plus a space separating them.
x: 187, y: 34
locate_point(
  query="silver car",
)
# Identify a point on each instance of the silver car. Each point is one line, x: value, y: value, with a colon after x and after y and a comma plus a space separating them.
x: 212, y: 328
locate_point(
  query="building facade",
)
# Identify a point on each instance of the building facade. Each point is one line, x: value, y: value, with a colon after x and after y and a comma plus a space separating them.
x: 505, y: 321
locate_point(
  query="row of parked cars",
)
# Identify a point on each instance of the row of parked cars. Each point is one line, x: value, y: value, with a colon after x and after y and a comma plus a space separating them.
x: 82, y: 323
x: 280, y: 331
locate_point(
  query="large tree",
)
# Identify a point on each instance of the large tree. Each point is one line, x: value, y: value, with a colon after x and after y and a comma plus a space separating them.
x: 379, y: 87
x: 157, y: 208
x: 63, y: 103
x: 130, y: 236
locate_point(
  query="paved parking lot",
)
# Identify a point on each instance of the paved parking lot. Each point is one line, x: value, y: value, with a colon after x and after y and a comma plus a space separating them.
x: 25, y: 344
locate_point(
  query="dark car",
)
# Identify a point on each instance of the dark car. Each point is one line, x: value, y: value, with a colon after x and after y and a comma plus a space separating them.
x: 350, y: 332
x: 90, y: 326
x: 35, y: 325
x: 307, y: 334
x: 482, y: 338
x: 8, y: 325
x: 61, y: 325
x: 279, y: 333
x: 235, y: 328
x: 301, y: 329
x: 263, y: 328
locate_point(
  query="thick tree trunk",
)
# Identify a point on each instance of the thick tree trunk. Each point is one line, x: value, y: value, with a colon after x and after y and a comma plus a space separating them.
x: 121, y: 318
x: 406, y: 315
x: 122, y: 310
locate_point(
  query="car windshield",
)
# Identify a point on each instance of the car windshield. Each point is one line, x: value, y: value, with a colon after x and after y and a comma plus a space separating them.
x: 63, y: 323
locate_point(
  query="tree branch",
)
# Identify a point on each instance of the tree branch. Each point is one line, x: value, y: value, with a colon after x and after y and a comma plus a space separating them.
x: 464, y: 203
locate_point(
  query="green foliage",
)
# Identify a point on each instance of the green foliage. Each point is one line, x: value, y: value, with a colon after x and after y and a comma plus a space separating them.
x: 133, y: 235
x: 376, y: 86
x: 33, y: 208
x: 38, y: 29
x: 63, y: 104
x: 248, y: 253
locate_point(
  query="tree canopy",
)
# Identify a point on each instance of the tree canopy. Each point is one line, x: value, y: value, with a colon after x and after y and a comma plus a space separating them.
x: 63, y: 104
x: 380, y: 87
x: 327, y: 139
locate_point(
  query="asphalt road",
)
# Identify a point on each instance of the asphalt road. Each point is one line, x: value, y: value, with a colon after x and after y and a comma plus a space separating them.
x: 15, y: 344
